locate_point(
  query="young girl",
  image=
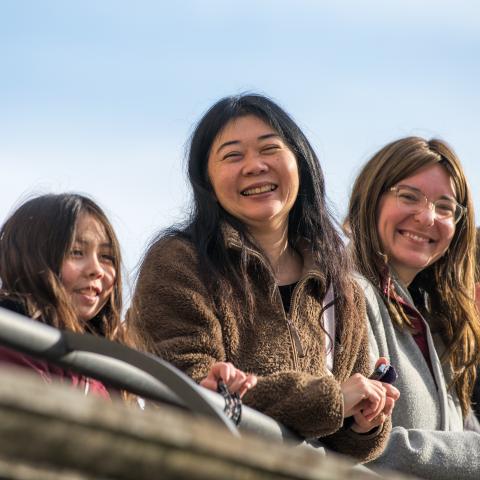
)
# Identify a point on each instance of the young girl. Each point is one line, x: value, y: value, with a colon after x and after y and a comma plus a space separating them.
x: 60, y: 264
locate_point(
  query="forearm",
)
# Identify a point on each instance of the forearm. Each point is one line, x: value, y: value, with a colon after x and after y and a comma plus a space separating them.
x: 311, y: 406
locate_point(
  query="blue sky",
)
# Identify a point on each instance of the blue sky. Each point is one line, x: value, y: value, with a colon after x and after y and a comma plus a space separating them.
x: 100, y: 96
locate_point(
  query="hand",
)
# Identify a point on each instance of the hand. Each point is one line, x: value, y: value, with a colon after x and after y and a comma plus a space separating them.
x: 236, y: 380
x: 363, y: 394
x: 363, y: 423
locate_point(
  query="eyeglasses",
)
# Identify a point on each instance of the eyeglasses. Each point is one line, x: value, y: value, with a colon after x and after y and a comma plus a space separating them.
x: 444, y: 209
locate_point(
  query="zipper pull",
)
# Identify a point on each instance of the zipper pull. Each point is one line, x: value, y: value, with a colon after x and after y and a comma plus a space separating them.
x: 296, y: 339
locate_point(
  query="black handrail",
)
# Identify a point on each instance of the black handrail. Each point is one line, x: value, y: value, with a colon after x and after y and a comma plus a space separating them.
x: 127, y: 369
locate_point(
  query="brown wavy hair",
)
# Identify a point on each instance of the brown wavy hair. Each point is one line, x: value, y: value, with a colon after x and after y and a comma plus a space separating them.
x: 449, y: 282
x: 34, y: 242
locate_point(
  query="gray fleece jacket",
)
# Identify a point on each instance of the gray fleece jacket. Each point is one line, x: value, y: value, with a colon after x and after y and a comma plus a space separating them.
x: 429, y: 439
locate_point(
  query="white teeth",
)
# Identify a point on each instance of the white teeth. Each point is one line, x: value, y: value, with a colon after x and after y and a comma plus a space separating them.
x: 416, y: 238
x: 257, y: 190
x: 88, y: 291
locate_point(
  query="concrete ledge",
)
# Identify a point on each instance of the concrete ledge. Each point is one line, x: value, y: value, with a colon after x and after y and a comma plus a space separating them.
x: 51, y: 432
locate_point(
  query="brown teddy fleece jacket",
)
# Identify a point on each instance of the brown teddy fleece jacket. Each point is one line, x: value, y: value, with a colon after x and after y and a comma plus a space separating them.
x: 192, y: 330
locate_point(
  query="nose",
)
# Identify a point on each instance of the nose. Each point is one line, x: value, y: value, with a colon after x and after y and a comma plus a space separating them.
x: 94, y: 267
x: 254, y: 164
x: 427, y: 215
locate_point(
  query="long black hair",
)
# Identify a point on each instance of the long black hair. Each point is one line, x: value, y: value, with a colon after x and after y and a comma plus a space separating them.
x: 309, y: 220
x: 34, y: 241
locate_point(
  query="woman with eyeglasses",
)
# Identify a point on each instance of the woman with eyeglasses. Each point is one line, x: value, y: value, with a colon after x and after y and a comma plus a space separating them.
x: 412, y: 232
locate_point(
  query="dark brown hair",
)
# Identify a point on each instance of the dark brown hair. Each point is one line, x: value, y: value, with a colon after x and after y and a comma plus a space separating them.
x: 34, y: 242
x: 449, y: 282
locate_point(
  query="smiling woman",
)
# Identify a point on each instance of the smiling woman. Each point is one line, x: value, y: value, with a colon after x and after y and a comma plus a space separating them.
x: 254, y: 173
x: 60, y: 264
x: 411, y: 224
x: 259, y: 279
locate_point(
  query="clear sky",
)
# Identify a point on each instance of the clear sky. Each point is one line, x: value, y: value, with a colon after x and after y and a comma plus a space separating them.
x: 100, y: 96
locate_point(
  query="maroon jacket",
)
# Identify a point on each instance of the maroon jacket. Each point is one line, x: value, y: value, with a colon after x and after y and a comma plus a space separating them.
x: 47, y: 371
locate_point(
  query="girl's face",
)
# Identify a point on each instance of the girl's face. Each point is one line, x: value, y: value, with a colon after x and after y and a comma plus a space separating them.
x: 254, y: 174
x: 88, y: 272
x: 415, y: 240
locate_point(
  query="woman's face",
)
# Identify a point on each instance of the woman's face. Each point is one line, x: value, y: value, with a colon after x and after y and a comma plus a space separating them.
x: 254, y: 174
x: 88, y: 271
x: 413, y: 241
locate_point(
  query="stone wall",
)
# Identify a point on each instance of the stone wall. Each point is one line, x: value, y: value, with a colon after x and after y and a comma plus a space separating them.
x: 50, y: 432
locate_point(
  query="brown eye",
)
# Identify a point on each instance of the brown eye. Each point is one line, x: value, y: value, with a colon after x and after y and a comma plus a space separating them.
x: 407, y: 196
x: 232, y: 156
x: 108, y: 258
x: 270, y: 149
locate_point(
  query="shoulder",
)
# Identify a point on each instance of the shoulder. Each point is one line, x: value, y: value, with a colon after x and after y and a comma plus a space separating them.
x: 170, y: 247
x: 169, y: 261
x: 12, y: 304
x: 169, y: 252
x: 370, y: 293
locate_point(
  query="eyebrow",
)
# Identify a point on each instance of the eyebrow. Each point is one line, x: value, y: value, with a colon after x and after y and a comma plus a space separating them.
x: 446, y: 197
x: 236, y: 142
x: 86, y: 242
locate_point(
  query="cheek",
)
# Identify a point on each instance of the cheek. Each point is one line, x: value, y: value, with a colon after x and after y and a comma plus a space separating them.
x: 388, y: 218
x: 447, y: 233
x: 109, y: 279
x: 68, y: 274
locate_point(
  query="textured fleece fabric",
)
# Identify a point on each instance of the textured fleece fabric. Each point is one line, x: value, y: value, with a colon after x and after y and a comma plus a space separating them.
x: 192, y: 330
x: 428, y: 437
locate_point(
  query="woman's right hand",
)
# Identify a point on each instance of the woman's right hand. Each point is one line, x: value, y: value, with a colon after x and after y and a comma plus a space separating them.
x: 236, y: 380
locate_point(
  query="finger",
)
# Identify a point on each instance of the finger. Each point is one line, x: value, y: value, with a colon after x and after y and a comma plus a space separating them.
x: 209, y: 383
x: 236, y: 381
x: 249, y: 383
x: 377, y: 398
x: 391, y: 391
x: 252, y: 380
x: 228, y: 371
x: 389, y: 404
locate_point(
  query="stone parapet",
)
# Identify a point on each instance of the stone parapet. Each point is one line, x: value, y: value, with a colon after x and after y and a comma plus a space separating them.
x: 51, y: 432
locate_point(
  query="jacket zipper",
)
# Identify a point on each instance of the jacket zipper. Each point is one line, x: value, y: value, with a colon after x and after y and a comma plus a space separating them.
x: 295, y: 340
x: 295, y: 334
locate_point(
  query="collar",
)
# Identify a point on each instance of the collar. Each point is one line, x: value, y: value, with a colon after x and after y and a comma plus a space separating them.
x: 233, y: 240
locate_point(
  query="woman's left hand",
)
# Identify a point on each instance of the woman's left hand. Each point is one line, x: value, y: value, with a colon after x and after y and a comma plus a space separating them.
x: 363, y: 423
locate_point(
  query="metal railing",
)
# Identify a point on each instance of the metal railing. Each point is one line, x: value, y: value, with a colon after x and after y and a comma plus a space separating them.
x: 127, y: 369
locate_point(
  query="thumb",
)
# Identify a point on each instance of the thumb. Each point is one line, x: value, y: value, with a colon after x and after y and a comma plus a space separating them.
x: 381, y: 361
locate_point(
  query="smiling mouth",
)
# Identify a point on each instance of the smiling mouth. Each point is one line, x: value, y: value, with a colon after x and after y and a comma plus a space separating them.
x: 258, y: 190
x: 88, y: 292
x: 415, y: 237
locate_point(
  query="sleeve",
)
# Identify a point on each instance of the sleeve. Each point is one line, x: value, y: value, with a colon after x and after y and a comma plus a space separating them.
x: 433, y: 454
